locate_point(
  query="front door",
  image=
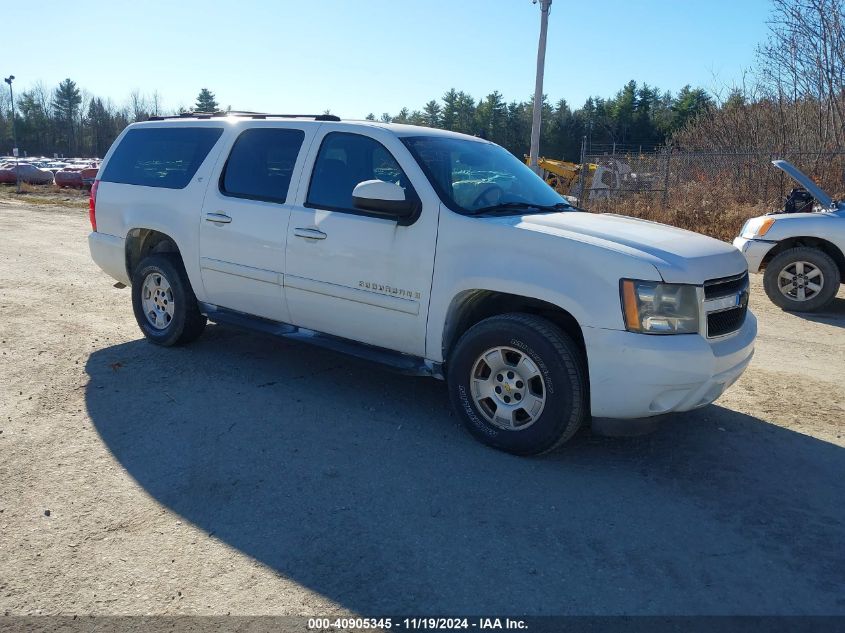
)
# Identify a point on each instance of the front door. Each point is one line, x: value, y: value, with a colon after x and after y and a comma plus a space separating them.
x: 244, y: 222
x: 351, y: 273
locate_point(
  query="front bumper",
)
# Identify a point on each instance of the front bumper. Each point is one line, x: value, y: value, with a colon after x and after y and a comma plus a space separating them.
x: 639, y: 375
x: 754, y: 251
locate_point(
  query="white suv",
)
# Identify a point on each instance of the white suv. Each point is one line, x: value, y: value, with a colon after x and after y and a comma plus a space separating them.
x: 434, y: 252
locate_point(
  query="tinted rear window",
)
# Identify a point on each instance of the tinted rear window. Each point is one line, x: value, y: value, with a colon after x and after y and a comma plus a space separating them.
x: 261, y: 164
x: 160, y: 157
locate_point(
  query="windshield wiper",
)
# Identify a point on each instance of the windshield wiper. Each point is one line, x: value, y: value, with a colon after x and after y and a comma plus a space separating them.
x: 513, y: 206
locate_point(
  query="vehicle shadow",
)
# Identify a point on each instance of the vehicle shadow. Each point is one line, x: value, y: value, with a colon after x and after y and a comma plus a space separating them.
x: 359, y: 484
x: 833, y: 314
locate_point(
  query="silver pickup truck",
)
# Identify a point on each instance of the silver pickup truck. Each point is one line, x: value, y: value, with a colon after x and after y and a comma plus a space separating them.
x: 799, y: 249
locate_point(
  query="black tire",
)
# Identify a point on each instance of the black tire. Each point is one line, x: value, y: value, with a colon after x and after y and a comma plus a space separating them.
x: 187, y: 323
x: 830, y: 276
x: 555, y: 356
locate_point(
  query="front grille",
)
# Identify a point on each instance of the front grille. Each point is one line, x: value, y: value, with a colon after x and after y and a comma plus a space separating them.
x: 726, y: 321
x: 722, y: 322
x: 725, y: 286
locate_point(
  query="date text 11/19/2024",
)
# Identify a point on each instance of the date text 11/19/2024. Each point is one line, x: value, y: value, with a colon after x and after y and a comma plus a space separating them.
x: 429, y: 623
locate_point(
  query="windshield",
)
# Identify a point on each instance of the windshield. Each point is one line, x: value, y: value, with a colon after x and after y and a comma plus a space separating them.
x: 474, y: 177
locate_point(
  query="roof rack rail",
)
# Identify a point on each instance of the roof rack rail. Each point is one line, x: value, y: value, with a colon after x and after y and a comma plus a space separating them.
x: 244, y: 113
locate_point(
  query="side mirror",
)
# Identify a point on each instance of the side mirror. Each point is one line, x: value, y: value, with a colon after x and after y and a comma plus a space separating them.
x: 384, y: 198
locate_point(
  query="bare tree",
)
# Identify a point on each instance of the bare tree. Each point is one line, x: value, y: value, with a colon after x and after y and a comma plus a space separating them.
x: 155, y: 103
x: 5, y: 103
x: 804, y: 60
x: 796, y: 101
x: 138, y: 106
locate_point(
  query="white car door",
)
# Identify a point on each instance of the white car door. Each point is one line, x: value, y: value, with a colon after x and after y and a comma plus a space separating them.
x: 352, y: 273
x: 243, y: 227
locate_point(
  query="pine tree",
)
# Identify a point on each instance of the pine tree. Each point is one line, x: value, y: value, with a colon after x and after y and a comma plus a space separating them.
x: 449, y: 112
x: 621, y: 111
x: 563, y: 137
x: 66, y: 102
x: 101, y: 128
x: 465, y: 114
x: 519, y: 127
x: 492, y: 117
x: 431, y: 113
x: 689, y: 103
x: 206, y: 101
x: 36, y: 127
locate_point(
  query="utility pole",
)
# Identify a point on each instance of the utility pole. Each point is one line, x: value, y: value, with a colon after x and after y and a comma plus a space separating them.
x: 16, y: 151
x: 545, y: 5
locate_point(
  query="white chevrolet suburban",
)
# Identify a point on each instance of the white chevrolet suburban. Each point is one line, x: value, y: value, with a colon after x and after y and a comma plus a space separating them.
x: 434, y: 252
x: 801, y: 249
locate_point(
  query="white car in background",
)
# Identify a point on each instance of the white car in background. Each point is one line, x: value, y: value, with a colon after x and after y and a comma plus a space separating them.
x: 801, y: 250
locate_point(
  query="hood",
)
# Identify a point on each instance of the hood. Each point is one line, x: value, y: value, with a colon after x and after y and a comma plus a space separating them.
x: 679, y: 256
x: 805, y: 181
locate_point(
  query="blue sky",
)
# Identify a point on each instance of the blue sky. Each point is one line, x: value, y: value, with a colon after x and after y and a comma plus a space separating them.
x: 358, y: 56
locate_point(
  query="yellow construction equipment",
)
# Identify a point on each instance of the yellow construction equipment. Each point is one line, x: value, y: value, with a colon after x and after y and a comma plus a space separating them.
x: 560, y: 175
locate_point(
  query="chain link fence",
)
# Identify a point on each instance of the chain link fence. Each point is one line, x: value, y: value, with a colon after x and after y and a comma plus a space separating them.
x: 667, y: 177
x: 708, y: 192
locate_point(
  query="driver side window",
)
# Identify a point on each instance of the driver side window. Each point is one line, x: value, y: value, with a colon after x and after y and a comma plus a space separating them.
x: 344, y: 161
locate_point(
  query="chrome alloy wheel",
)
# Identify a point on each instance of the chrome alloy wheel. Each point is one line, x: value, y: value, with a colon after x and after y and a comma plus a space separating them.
x: 800, y: 281
x: 508, y: 388
x: 157, y: 300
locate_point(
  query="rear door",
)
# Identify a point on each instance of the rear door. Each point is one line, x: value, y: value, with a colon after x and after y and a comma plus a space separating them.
x: 243, y: 226
x: 351, y: 273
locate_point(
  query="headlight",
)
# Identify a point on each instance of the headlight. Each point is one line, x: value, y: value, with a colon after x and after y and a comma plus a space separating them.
x: 651, y: 307
x: 757, y: 227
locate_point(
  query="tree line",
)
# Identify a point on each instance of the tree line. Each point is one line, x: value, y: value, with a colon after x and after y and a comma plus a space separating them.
x: 68, y: 121
x: 638, y: 115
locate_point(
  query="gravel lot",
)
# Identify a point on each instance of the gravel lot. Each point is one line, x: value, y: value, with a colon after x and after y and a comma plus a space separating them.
x: 247, y: 475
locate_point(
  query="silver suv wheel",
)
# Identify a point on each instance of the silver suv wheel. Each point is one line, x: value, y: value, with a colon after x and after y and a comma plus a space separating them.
x: 800, y: 281
x: 508, y: 388
x: 157, y: 300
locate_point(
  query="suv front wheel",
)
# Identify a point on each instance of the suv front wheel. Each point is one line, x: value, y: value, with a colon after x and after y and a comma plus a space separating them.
x: 518, y: 383
x: 801, y: 279
x: 163, y: 301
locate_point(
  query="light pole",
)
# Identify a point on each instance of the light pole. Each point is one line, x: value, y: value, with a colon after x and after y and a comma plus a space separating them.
x: 9, y: 81
x: 545, y: 5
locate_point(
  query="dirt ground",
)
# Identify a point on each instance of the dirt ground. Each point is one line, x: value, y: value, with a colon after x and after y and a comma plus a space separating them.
x: 248, y: 475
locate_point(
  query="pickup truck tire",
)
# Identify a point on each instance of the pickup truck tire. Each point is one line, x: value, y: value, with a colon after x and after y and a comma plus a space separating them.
x: 801, y: 279
x: 164, y: 303
x: 518, y: 383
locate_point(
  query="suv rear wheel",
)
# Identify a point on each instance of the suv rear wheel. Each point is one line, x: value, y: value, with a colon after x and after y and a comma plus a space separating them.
x: 518, y: 383
x: 801, y: 279
x: 163, y: 301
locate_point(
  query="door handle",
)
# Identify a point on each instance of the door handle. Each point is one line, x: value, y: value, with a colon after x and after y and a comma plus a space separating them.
x: 309, y: 234
x: 217, y: 218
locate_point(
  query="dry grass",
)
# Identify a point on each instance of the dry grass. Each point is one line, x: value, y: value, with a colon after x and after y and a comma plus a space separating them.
x: 693, y: 206
x: 46, y: 195
x: 713, y: 192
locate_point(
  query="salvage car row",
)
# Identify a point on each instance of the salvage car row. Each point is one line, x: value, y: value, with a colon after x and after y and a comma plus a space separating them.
x: 74, y: 172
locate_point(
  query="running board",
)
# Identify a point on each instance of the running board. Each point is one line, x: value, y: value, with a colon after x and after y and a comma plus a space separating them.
x: 402, y: 363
